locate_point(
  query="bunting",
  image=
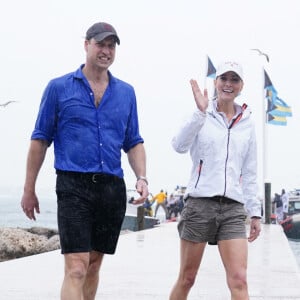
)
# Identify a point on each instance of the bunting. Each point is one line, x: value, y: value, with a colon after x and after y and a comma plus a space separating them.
x: 277, y: 109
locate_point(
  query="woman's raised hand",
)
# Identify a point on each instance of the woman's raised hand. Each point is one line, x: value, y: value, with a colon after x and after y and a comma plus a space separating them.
x: 200, y: 99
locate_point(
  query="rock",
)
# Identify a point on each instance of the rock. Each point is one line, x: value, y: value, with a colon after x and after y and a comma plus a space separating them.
x: 51, y: 244
x: 48, y: 233
x: 20, y: 242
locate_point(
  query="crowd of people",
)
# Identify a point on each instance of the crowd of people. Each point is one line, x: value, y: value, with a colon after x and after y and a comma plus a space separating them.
x: 170, y: 204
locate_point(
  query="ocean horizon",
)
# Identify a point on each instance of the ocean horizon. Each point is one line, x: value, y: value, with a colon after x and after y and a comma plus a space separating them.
x: 12, y: 215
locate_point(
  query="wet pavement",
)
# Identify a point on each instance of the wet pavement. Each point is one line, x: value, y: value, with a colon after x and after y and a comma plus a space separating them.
x: 146, y: 266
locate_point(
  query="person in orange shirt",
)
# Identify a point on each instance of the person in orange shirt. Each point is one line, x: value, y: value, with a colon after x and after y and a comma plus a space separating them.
x: 160, y: 199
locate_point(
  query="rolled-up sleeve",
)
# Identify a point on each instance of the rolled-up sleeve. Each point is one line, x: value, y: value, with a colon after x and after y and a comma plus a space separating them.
x: 45, y: 123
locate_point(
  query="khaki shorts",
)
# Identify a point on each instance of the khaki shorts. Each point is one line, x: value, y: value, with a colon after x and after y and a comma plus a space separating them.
x: 212, y: 219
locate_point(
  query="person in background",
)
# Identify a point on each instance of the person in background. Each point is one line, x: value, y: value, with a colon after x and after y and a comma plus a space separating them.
x: 148, y: 211
x: 278, y: 207
x: 90, y: 116
x: 285, y: 203
x: 160, y: 199
x: 220, y: 136
x: 172, y: 206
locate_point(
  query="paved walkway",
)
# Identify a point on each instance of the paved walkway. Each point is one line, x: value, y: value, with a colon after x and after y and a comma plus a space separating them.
x: 146, y: 265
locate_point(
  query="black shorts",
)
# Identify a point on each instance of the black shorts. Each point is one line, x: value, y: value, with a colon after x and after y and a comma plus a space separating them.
x: 90, y: 211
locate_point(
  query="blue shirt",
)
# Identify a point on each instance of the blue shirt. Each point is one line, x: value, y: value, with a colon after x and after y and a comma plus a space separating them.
x: 86, y: 138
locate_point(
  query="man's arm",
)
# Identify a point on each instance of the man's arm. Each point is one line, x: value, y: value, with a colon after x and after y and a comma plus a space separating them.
x: 35, y: 159
x: 137, y: 161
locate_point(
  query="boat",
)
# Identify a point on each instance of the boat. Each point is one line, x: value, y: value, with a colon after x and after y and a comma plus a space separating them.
x: 291, y: 225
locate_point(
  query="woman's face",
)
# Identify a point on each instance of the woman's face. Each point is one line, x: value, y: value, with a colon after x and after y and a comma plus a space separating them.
x: 228, y: 86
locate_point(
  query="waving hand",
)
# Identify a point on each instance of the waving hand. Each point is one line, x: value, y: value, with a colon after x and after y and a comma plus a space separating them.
x: 200, y: 99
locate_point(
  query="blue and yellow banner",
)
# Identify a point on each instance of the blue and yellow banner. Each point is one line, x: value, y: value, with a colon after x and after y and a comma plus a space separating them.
x: 277, y: 109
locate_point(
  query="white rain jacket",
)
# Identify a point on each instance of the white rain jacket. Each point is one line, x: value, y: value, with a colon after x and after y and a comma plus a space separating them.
x: 224, y: 159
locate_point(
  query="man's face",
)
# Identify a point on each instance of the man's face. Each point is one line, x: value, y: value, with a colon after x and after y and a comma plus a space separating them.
x: 101, y: 54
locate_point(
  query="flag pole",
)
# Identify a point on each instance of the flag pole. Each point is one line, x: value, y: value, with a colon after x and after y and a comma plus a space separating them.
x: 266, y: 180
x: 265, y: 135
x: 276, y: 114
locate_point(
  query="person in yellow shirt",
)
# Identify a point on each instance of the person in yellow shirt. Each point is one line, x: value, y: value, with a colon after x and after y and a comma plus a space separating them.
x: 160, y: 199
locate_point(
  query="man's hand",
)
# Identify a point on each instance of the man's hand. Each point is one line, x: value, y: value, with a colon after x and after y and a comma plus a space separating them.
x: 142, y: 189
x: 29, y: 204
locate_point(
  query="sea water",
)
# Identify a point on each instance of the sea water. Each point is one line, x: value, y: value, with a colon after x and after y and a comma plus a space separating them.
x: 12, y: 215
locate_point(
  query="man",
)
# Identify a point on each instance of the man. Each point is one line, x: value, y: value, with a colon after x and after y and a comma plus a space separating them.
x: 160, y: 199
x: 90, y: 116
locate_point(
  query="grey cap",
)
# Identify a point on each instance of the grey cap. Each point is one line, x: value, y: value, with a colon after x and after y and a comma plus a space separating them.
x: 100, y: 31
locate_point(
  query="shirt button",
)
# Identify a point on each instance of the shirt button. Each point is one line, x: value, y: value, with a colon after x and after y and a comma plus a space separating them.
x: 100, y: 144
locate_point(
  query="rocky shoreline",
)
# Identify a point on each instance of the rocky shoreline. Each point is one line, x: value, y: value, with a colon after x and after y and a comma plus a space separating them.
x: 21, y: 242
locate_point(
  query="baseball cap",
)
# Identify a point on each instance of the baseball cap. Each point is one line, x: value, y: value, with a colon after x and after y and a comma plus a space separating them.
x: 100, y: 31
x: 228, y: 66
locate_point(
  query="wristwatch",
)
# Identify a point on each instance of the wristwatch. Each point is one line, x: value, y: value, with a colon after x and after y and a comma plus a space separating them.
x: 255, y: 217
x: 142, y: 178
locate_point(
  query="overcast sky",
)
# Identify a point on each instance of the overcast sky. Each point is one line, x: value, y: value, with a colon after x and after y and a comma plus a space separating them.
x: 163, y: 45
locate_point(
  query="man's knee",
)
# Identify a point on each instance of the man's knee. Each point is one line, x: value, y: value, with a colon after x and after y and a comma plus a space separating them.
x: 77, y: 271
x: 76, y: 266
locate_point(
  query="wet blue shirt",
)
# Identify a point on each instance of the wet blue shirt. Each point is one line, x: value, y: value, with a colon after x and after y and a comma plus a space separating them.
x: 86, y: 138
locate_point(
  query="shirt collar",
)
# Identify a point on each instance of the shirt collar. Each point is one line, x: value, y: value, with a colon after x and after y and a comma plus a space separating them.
x: 79, y: 74
x: 237, y: 107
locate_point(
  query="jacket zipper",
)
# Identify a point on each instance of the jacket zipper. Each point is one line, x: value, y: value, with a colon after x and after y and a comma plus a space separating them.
x: 235, y: 121
x: 226, y: 160
x: 199, y: 171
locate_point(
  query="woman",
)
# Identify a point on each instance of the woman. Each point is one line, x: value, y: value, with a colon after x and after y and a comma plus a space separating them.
x: 222, y: 188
